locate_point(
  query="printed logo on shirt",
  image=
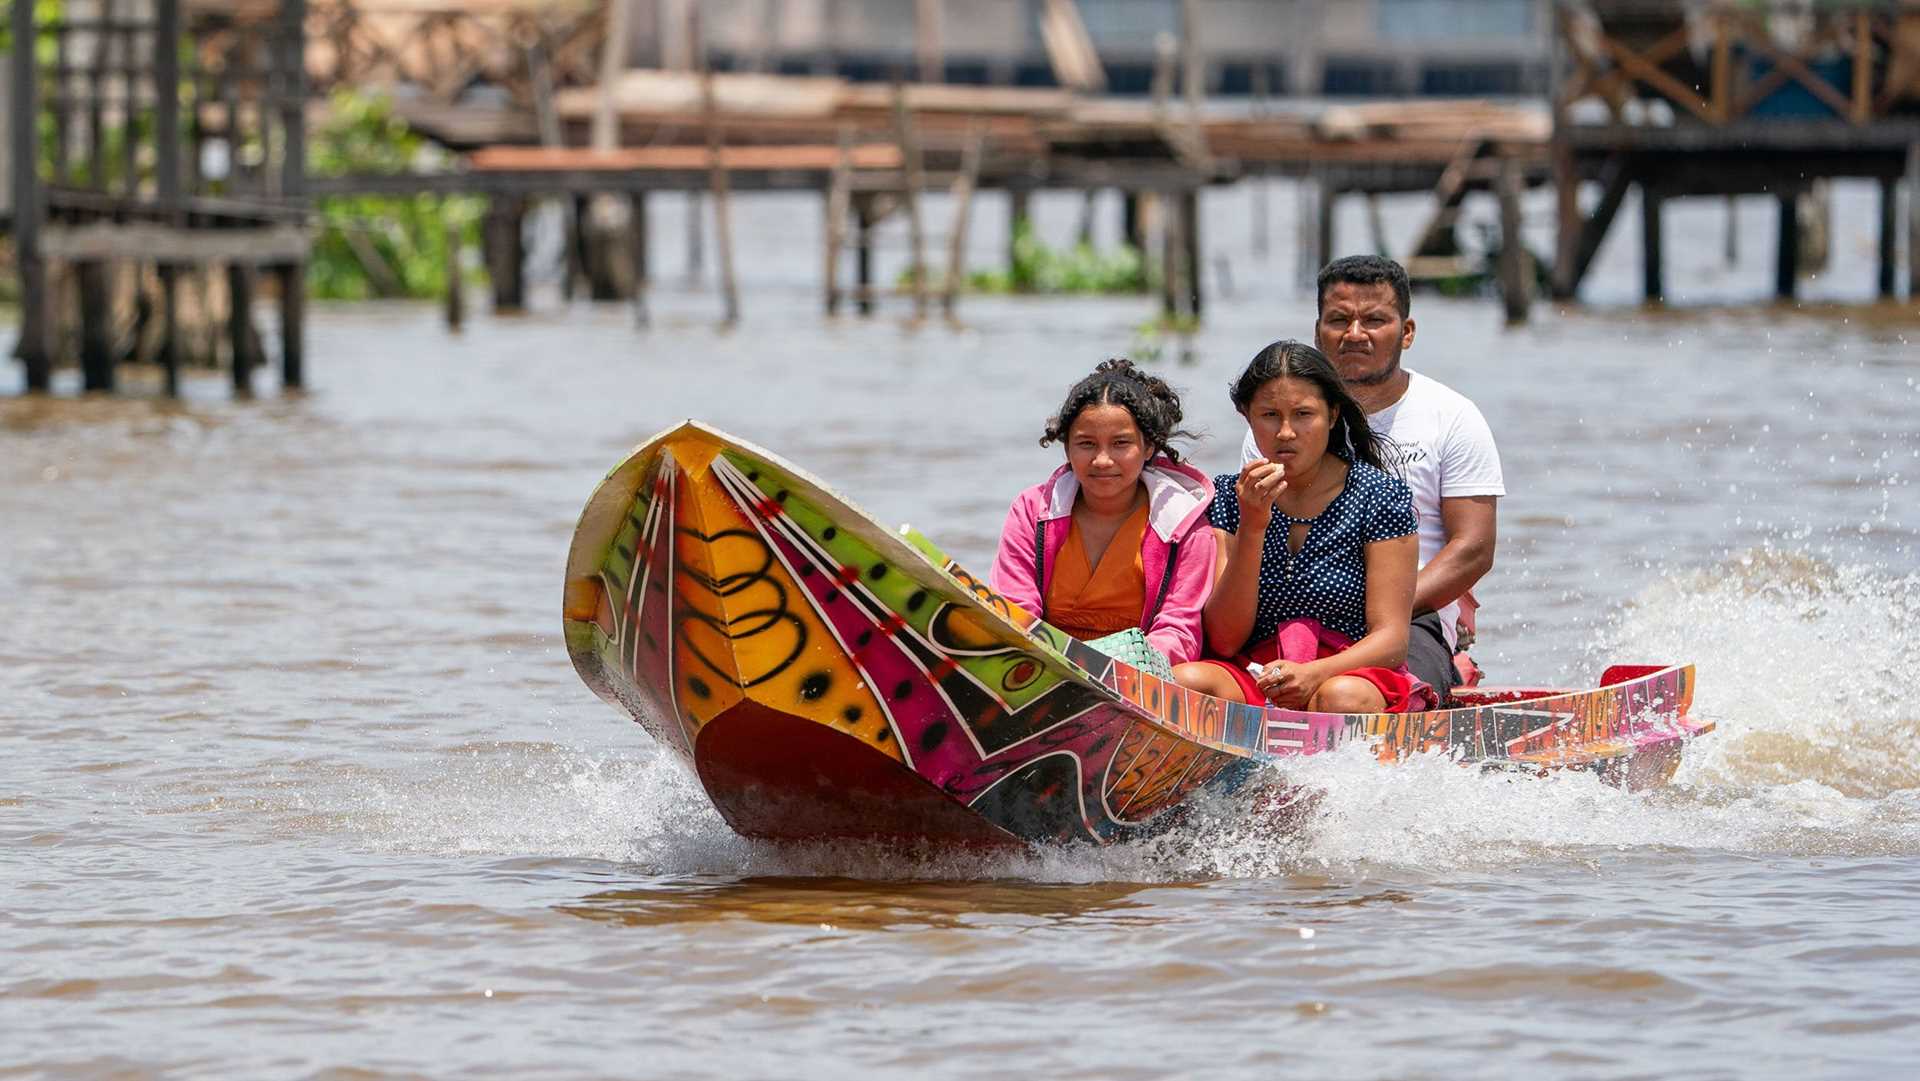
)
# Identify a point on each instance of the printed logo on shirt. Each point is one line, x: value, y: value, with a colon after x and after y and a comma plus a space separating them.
x: 1399, y: 455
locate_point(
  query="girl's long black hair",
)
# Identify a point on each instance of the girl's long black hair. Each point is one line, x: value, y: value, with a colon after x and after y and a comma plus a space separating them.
x: 1351, y: 437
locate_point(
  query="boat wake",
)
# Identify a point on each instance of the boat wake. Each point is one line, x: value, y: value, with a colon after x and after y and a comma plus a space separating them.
x: 1803, y: 665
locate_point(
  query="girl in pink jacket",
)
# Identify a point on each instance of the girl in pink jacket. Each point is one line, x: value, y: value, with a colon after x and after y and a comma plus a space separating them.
x: 1118, y: 537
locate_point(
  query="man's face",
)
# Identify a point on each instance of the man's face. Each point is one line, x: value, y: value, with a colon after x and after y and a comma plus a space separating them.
x: 1361, y: 330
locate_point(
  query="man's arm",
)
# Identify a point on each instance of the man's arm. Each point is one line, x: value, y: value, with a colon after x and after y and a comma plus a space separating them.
x: 1467, y: 556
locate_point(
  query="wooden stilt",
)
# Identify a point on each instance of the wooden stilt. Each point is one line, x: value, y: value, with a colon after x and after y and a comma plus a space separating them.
x: 696, y: 243
x: 605, y: 234
x: 1324, y: 208
x: 722, y: 206
x: 1190, y: 249
x: 637, y: 243
x: 839, y: 195
x: 1376, y: 226
x: 1732, y: 252
x: 642, y: 237
x: 1615, y: 179
x: 962, y: 206
x: 170, y: 343
x: 240, y: 326
x: 1889, y: 236
x: 24, y: 151
x: 1653, y: 288
x: 1786, y: 264
x: 1306, y: 220
x: 579, y: 211
x: 1516, y: 273
x: 910, y: 183
x: 455, y: 294
x: 96, y: 326
x: 293, y: 323
x: 1913, y: 221
x: 506, y: 252
x: 1262, y: 229
x: 1131, y: 231
x: 931, y: 57
x: 1566, y: 220
x: 1017, y: 219
x: 863, y: 255
x: 1174, y: 291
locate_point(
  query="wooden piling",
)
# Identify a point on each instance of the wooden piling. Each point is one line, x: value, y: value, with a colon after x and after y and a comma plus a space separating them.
x: 455, y: 296
x: 1913, y: 221
x: 637, y: 243
x: 506, y: 254
x: 1174, y: 289
x: 1653, y: 287
x: 696, y: 242
x: 1566, y: 217
x: 575, y: 227
x: 1732, y: 251
x: 170, y: 344
x: 24, y: 153
x: 1131, y: 231
x: 293, y: 323
x: 1262, y: 229
x: 1889, y: 236
x: 929, y: 54
x: 1324, y: 207
x: 722, y: 209
x: 96, y: 325
x: 863, y: 254
x: 1786, y: 263
x: 1018, y: 202
x: 910, y: 182
x: 240, y: 326
x: 1190, y: 250
x: 839, y: 195
x: 641, y: 238
x: 1516, y: 273
x: 962, y: 206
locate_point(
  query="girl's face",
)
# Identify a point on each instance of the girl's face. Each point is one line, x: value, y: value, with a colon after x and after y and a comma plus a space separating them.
x: 1106, y: 451
x: 1291, y: 421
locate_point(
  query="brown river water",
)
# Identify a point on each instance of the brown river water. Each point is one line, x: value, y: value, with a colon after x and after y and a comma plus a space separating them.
x: 296, y: 779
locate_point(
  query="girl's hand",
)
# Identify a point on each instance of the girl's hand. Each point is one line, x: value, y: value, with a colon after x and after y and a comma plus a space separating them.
x: 1288, y: 685
x: 1260, y: 483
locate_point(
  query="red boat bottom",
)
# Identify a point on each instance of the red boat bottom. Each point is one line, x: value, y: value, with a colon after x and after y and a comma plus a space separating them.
x: 781, y: 777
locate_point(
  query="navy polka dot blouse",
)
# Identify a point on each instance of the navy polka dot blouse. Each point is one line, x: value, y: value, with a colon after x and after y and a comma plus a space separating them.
x: 1327, y: 579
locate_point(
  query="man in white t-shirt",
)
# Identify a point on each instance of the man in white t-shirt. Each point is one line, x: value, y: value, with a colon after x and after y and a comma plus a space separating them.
x: 1439, y: 444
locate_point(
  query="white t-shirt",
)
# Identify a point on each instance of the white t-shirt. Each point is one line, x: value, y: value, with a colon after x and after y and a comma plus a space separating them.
x: 1441, y: 446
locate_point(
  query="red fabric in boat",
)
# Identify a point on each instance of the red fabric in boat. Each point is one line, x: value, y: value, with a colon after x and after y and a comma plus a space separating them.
x: 1303, y: 640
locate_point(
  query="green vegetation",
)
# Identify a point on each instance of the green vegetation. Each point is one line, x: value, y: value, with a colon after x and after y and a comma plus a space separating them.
x: 1039, y: 269
x: 380, y: 246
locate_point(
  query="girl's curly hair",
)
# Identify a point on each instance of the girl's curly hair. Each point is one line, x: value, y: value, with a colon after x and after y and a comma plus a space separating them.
x: 1155, y: 406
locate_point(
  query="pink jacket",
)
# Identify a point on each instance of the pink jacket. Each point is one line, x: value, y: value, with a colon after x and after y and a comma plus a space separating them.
x: 1176, y: 554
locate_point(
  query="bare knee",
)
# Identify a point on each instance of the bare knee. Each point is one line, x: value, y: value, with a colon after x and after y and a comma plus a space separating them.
x: 1348, y: 694
x: 1207, y: 679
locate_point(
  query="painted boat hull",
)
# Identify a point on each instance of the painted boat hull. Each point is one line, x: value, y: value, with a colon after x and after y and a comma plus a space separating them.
x: 827, y: 678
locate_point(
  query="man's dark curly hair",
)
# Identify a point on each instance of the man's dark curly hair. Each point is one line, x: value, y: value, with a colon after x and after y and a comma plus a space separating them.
x: 1365, y: 270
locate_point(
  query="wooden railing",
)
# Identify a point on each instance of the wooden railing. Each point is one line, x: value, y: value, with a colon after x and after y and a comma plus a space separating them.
x: 438, y: 48
x: 1720, y: 63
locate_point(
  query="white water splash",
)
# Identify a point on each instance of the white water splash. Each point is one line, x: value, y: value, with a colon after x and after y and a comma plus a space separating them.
x: 1801, y: 665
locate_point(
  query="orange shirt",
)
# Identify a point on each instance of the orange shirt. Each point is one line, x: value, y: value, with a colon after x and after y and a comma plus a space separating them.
x: 1089, y: 602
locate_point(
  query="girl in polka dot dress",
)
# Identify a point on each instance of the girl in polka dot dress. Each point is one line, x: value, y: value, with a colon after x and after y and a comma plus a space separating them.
x: 1316, y: 556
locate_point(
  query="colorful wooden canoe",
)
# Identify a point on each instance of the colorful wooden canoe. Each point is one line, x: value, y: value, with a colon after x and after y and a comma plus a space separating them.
x: 826, y: 677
